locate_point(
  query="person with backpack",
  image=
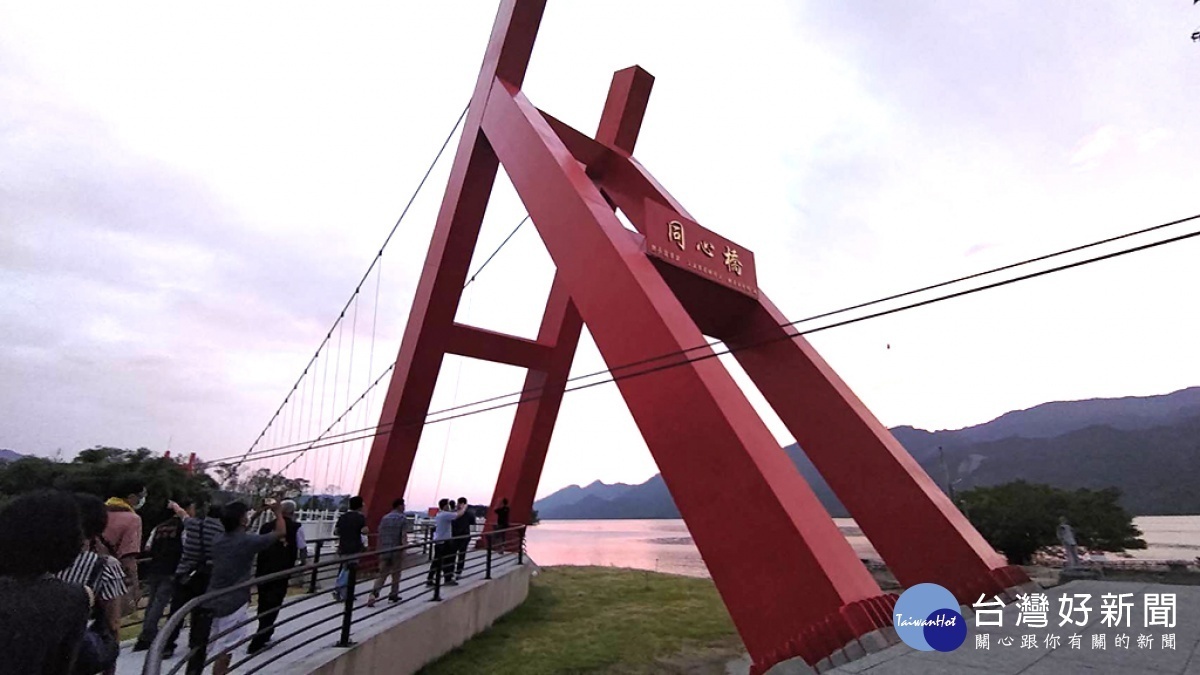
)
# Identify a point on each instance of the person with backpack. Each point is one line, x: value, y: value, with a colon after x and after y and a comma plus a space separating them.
x: 42, y: 619
x: 103, y: 579
x: 166, y: 548
x: 194, y: 571
x: 282, y: 555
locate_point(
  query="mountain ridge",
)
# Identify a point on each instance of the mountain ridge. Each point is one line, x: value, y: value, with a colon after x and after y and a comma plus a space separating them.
x: 1143, y: 445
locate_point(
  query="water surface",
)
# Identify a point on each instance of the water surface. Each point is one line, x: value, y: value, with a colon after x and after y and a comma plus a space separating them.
x: 666, y: 545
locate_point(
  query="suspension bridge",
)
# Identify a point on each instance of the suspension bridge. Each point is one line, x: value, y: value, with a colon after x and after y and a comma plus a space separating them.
x: 663, y: 299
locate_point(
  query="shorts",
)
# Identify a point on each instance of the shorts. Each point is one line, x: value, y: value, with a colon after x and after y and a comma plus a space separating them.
x: 220, y: 624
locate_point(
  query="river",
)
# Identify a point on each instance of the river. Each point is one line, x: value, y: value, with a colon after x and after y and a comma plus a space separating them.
x: 666, y: 545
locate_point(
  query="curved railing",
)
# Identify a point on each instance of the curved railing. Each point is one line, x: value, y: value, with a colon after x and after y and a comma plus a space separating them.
x: 310, y: 619
x: 317, y: 547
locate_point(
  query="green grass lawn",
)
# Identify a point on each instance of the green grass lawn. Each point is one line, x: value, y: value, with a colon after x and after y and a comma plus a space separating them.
x: 604, y: 620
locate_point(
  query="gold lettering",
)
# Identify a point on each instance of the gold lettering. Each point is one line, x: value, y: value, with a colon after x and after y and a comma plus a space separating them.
x: 732, y: 262
x: 675, y: 234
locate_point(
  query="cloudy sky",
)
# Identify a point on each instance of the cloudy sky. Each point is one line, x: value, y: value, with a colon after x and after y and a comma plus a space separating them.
x: 188, y: 196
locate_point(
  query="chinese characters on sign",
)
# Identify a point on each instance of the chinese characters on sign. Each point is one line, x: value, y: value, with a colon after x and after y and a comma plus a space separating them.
x: 675, y: 234
x: 686, y: 244
x: 732, y: 262
x: 1117, y: 610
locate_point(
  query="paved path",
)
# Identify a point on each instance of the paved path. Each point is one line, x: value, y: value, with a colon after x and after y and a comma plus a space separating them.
x: 999, y: 659
x: 969, y: 659
x: 316, y: 621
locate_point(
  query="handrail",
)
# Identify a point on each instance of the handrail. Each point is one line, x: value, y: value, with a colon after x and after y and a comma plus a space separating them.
x: 153, y: 663
x: 316, y: 543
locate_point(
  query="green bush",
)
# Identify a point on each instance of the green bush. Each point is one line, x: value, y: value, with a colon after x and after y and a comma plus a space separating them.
x: 1019, y: 518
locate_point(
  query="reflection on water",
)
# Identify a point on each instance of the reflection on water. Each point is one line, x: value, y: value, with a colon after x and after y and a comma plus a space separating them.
x: 660, y: 545
x: 1169, y: 537
x: 666, y: 545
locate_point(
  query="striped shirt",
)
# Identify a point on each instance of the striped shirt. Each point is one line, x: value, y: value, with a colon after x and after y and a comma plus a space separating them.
x: 196, y: 550
x: 111, y: 584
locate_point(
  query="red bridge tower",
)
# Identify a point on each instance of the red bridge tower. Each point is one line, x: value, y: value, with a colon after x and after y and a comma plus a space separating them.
x: 792, y: 583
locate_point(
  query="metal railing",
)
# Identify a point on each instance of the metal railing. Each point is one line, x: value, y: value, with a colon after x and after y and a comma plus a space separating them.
x: 421, y: 532
x: 138, y: 616
x: 310, y: 610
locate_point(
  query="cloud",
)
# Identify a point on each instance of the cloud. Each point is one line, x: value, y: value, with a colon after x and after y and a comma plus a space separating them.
x: 180, y: 223
x: 1096, y: 146
x: 978, y: 248
x: 130, y: 288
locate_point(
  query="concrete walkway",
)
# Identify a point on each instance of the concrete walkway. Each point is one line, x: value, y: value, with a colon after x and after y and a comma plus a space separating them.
x: 319, y: 627
x: 1001, y: 659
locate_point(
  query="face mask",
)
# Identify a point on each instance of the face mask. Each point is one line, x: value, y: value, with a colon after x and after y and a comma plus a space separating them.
x: 140, y: 503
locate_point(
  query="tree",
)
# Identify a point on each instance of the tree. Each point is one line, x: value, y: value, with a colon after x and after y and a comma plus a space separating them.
x: 259, y: 484
x: 96, y: 470
x: 1019, y: 518
x: 1101, y: 523
x: 227, y: 475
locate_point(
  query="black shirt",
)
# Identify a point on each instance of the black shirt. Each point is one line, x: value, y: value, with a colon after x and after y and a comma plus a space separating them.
x: 166, y: 547
x: 283, y: 553
x: 349, y: 531
x: 501, y: 517
x: 461, y: 526
x: 41, y: 625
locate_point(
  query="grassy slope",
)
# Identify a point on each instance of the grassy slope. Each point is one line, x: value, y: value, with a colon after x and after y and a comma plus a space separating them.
x: 599, y: 619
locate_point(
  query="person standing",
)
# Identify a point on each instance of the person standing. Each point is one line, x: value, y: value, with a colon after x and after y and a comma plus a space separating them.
x: 42, y: 619
x: 350, y: 528
x: 282, y: 555
x: 233, y: 562
x: 99, y: 574
x: 460, y: 529
x: 194, y: 571
x: 393, y: 532
x: 443, y: 545
x: 123, y: 535
x: 1066, y: 537
x: 166, y: 549
x: 502, y: 522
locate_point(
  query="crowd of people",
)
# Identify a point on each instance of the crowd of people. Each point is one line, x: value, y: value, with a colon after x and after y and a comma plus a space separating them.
x: 64, y: 585
x: 70, y: 573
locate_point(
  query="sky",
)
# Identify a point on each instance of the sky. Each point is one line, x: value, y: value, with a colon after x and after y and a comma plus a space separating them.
x: 189, y: 195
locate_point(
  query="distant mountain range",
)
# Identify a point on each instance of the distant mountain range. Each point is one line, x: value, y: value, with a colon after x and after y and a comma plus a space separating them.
x: 1149, y: 447
x: 9, y: 455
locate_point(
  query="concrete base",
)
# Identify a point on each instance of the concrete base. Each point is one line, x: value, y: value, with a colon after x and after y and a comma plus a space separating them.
x: 424, y: 637
x: 1010, y: 594
x: 794, y: 666
x: 873, y: 642
x: 1078, y: 573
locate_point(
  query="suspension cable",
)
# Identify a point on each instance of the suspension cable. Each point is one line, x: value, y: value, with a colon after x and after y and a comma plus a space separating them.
x: 378, y: 255
x: 379, y: 429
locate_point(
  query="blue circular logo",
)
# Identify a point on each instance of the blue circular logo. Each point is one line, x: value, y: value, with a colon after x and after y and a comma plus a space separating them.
x: 926, y: 618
